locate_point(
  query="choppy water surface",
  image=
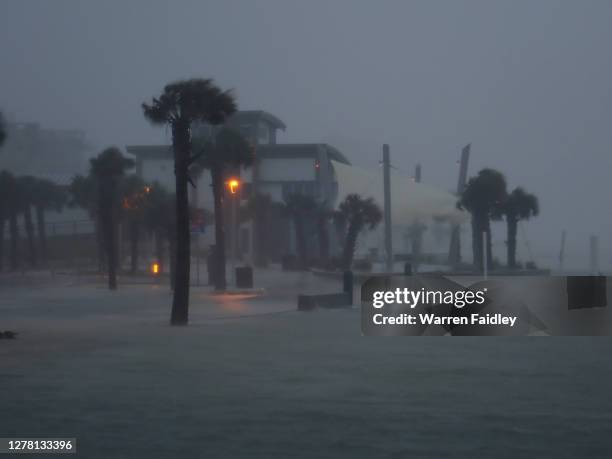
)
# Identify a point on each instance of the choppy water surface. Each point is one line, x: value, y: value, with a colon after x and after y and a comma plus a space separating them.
x: 288, y: 384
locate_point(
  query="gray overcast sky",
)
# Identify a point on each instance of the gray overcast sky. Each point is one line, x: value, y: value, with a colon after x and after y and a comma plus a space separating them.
x: 527, y: 82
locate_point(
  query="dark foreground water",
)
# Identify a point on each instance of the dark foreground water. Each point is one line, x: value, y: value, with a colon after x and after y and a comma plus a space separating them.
x: 235, y: 384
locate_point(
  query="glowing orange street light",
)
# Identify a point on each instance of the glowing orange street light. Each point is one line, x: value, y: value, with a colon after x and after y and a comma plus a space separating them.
x: 155, y: 268
x: 233, y: 185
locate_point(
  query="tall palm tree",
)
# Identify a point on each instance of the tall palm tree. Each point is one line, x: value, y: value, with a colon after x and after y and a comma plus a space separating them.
x: 27, y: 185
x: 108, y: 168
x: 359, y: 214
x: 180, y: 104
x: 226, y: 152
x: 482, y: 197
x: 133, y: 196
x: 300, y: 208
x: 6, y: 183
x: 2, y: 130
x: 13, y: 200
x: 46, y: 196
x: 519, y: 205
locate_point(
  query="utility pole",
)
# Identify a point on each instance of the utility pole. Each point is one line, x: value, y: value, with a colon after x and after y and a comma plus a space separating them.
x: 417, y: 229
x: 594, y: 255
x: 387, y: 208
x: 562, y: 252
x: 454, y: 253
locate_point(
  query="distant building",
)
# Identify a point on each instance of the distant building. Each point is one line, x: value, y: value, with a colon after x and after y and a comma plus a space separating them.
x: 33, y: 150
x: 52, y: 154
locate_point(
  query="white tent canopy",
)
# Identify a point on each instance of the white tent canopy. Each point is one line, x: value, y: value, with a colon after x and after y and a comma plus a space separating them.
x: 411, y: 202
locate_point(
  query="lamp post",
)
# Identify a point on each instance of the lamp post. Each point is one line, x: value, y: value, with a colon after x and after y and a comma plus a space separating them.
x: 233, y: 186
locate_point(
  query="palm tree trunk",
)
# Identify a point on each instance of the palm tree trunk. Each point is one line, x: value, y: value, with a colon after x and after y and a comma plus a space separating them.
x: 108, y: 231
x: 182, y: 148
x: 487, y: 229
x: 1, y: 243
x: 29, y: 229
x: 172, y: 260
x: 14, y: 234
x: 476, y: 243
x: 480, y: 225
x: 134, y: 238
x: 350, y: 244
x: 42, y: 234
x: 217, y: 186
x: 511, y: 243
x: 100, y: 245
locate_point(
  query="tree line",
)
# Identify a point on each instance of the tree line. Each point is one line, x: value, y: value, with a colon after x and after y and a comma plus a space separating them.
x: 487, y: 199
x: 108, y: 193
x: 21, y: 196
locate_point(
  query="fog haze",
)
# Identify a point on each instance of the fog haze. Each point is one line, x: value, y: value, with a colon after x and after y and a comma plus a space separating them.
x: 528, y: 83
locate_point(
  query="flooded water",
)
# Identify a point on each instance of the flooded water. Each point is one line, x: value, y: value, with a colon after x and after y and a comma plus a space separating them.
x: 251, y: 377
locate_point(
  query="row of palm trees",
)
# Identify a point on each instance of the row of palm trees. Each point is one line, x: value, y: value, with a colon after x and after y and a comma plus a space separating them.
x: 486, y: 198
x: 25, y: 196
x: 110, y: 195
x: 179, y: 106
x: 354, y: 214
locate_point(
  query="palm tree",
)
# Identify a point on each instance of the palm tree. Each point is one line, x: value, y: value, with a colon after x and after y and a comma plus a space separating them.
x: 482, y: 197
x: 133, y: 196
x: 2, y: 130
x: 27, y: 185
x: 358, y: 213
x: 300, y: 208
x: 180, y: 104
x: 6, y: 183
x: 46, y: 195
x: 227, y: 152
x: 108, y: 168
x: 12, y: 203
x: 519, y: 205
x: 83, y: 194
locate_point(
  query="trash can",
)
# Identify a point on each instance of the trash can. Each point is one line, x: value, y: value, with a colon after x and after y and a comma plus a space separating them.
x: 244, y: 277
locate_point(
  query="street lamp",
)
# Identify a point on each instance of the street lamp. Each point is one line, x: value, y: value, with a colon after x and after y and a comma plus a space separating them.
x: 233, y: 186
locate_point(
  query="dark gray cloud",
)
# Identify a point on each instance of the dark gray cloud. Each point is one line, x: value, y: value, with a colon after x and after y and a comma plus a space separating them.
x: 528, y: 83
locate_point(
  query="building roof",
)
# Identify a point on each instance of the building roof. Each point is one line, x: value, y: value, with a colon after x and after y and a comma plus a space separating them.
x: 254, y: 115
